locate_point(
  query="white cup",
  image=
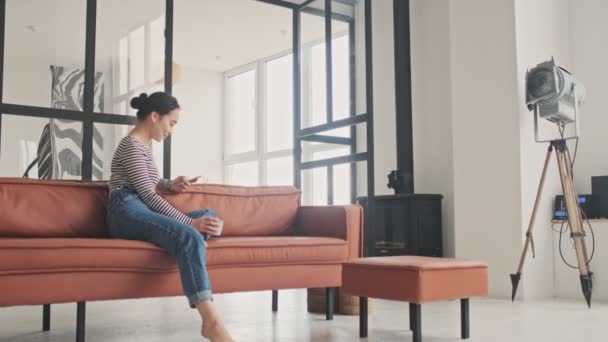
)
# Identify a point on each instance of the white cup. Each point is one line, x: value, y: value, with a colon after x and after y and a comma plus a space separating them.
x: 220, y: 227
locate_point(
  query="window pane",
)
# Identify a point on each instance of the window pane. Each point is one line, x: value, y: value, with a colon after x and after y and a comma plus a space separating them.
x: 318, y: 92
x: 340, y: 72
x: 279, y: 171
x: 315, y: 181
x: 314, y: 105
x: 120, y: 107
x: 279, y: 104
x: 127, y: 42
x: 319, y: 186
x: 342, y: 184
x: 242, y: 174
x: 322, y: 151
x: 157, y: 51
x: 341, y: 174
x: 57, y: 144
x: 314, y: 185
x: 241, y: 125
x: 106, y: 139
x: 39, y: 34
x: 136, y: 58
x: 122, y: 69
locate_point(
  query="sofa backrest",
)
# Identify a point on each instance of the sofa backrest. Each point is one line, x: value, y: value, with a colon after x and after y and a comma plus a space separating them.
x: 246, y: 211
x: 39, y: 208
x: 42, y: 208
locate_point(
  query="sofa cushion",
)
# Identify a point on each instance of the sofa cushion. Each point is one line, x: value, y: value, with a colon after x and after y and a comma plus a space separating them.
x: 275, y: 250
x: 246, y: 211
x: 26, y: 256
x: 37, y: 208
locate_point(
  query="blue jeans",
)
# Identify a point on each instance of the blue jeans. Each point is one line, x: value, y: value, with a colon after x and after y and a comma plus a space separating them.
x: 128, y: 217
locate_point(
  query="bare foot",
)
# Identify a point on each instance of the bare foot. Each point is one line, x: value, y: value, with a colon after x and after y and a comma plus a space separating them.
x: 216, y: 332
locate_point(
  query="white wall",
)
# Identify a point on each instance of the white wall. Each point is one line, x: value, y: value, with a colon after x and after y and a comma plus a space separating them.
x: 431, y: 106
x: 468, y: 89
x: 588, y: 55
x: 485, y: 134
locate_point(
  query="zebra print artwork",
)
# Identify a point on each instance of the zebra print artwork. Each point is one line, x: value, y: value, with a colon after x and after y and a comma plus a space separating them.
x: 61, y: 146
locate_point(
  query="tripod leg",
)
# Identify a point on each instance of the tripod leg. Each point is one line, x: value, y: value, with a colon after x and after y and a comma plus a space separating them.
x: 571, y: 176
x: 515, y: 277
x: 574, y: 220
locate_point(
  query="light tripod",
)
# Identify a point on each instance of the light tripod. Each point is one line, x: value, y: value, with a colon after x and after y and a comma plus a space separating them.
x: 575, y: 219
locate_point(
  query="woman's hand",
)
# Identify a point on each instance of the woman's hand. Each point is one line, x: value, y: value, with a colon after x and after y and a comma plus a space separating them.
x: 207, y: 224
x: 182, y: 183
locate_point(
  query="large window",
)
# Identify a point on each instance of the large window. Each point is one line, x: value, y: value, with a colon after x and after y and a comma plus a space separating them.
x: 67, y: 73
x: 138, y: 58
x: 258, y: 121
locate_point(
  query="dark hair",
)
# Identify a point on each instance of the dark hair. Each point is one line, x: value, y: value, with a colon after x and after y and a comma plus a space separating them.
x: 159, y: 102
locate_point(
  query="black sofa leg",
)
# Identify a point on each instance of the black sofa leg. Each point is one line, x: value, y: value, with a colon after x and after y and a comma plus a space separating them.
x: 362, y: 316
x: 412, y: 314
x: 329, y: 303
x: 46, y: 317
x: 275, y: 300
x: 80, y: 321
x: 416, y: 322
x: 464, y: 318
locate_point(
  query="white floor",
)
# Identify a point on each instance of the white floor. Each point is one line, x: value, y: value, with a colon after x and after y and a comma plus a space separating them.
x: 249, y: 317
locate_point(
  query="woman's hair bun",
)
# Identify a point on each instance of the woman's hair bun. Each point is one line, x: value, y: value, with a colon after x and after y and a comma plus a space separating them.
x: 139, y: 102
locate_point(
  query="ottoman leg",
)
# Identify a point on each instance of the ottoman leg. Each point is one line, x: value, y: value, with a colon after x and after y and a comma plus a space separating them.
x: 415, y: 322
x: 464, y: 318
x: 362, y: 316
x: 275, y: 300
x: 329, y: 303
x: 412, y: 314
x: 46, y: 317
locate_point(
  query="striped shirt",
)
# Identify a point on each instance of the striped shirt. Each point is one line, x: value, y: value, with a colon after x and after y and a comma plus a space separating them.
x: 133, y: 167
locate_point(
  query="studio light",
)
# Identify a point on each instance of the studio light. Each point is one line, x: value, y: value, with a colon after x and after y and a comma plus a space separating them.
x: 554, y: 92
x: 555, y: 95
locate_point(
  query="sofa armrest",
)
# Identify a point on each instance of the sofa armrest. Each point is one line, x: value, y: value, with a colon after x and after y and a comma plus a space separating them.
x: 343, y: 222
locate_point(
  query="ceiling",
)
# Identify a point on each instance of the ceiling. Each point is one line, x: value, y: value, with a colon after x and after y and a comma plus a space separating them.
x: 221, y: 35
x: 208, y: 34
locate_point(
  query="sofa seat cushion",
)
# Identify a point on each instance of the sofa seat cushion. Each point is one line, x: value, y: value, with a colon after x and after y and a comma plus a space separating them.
x: 38, y: 255
x: 33, y: 255
x: 275, y: 250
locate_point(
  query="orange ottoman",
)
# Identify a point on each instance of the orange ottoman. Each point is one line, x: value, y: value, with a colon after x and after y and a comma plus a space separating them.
x: 416, y: 280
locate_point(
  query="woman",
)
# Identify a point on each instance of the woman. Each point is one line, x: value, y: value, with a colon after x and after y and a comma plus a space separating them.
x: 137, y: 212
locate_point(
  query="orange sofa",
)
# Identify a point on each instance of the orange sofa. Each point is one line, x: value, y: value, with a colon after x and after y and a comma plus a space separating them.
x: 54, y: 247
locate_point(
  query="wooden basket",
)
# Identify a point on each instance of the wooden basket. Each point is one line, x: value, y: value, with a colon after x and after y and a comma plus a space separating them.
x: 316, y: 300
x: 349, y: 304
x: 344, y: 303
